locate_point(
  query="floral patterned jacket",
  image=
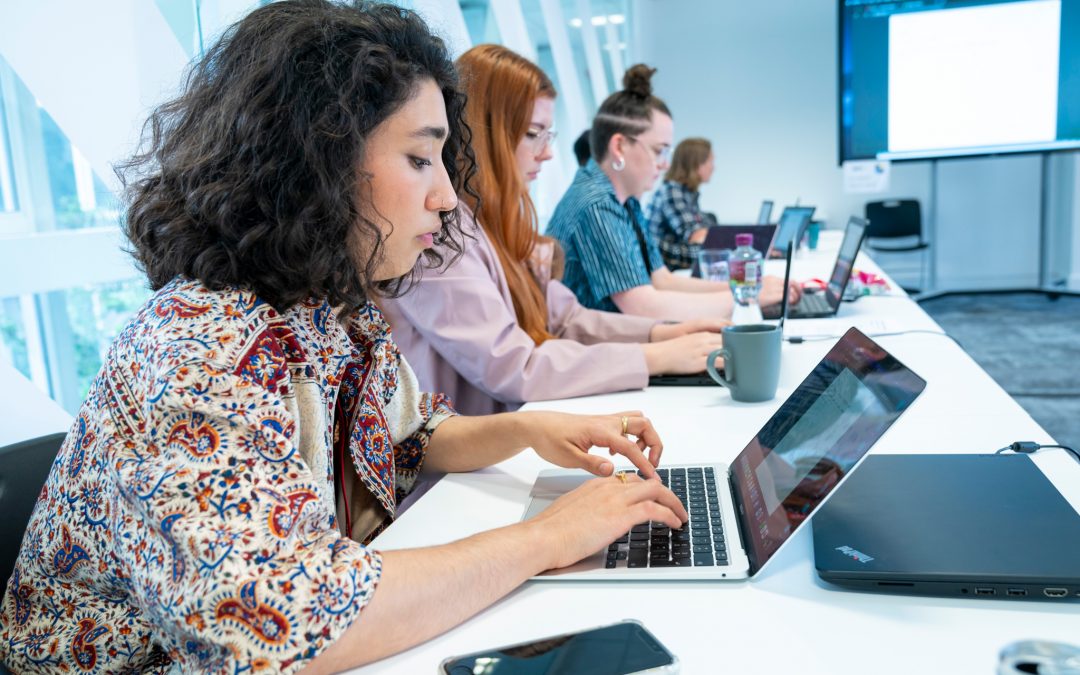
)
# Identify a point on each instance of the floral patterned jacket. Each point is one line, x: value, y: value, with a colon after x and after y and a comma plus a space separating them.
x: 190, y: 519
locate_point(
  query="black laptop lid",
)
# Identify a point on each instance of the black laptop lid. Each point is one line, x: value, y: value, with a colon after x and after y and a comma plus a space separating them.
x: 815, y: 440
x: 720, y: 237
x: 723, y: 236
x: 787, y: 285
x: 854, y: 234
x: 781, y: 311
x: 949, y: 518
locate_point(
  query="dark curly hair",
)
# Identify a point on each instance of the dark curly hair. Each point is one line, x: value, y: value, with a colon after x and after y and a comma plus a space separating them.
x: 250, y: 178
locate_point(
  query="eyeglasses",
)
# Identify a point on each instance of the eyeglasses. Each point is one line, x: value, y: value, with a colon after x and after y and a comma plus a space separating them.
x: 540, y: 140
x: 661, y: 155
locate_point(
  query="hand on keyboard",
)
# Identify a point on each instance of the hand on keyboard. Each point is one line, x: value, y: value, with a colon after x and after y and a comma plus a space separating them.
x: 699, y: 542
x: 587, y: 519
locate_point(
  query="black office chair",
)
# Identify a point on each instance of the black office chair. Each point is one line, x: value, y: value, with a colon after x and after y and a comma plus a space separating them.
x: 24, y: 466
x: 897, y: 220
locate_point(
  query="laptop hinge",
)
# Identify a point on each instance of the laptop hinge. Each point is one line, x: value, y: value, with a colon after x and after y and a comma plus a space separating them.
x: 740, y: 516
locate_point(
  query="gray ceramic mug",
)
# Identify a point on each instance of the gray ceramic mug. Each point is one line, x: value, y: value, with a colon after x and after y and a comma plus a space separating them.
x: 751, y: 362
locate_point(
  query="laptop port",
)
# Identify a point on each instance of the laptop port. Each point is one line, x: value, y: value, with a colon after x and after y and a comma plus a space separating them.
x: 1017, y: 592
x: 984, y: 591
x: 1055, y: 592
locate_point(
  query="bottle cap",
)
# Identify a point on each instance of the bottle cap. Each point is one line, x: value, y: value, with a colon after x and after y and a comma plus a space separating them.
x: 745, y: 239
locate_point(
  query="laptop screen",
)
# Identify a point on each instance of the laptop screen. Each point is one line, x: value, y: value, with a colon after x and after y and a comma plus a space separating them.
x: 765, y: 213
x: 845, y: 260
x: 815, y: 439
x: 792, y: 222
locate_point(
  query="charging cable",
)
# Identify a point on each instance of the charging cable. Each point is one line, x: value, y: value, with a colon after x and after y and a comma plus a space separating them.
x: 799, y: 339
x: 1029, y: 447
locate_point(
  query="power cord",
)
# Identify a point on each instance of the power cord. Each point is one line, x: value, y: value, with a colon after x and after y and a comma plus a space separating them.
x: 1029, y: 447
x: 799, y: 339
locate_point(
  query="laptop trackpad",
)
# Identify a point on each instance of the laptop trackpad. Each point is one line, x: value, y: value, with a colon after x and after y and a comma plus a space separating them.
x: 553, y: 483
x: 536, y: 505
x: 549, y: 486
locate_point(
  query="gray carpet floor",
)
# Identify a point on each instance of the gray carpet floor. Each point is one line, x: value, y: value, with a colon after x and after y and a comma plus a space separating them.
x: 1029, y: 344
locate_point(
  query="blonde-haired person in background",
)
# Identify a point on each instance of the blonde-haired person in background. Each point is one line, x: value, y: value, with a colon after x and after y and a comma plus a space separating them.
x: 611, y: 262
x: 495, y: 329
x: 676, y: 221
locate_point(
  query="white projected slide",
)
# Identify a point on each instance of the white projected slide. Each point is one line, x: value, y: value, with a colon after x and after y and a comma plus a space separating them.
x: 977, y: 76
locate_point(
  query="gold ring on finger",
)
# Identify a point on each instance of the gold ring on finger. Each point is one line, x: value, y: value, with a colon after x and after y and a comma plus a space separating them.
x: 625, y: 424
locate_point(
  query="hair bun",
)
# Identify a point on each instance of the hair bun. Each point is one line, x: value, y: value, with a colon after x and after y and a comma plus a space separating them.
x: 637, y: 80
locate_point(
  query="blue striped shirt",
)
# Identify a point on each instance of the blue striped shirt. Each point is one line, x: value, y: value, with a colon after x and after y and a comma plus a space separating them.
x: 603, y: 256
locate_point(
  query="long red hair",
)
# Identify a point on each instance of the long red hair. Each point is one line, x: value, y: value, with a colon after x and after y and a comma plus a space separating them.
x: 502, y: 87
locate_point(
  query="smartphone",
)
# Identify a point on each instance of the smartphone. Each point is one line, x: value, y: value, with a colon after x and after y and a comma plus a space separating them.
x: 619, y: 649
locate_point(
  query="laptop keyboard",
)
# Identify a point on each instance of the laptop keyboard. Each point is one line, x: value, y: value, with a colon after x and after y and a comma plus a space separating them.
x: 814, y: 303
x: 700, y: 542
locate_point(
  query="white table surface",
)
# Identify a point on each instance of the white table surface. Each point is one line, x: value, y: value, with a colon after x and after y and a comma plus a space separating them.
x: 25, y: 411
x: 785, y: 620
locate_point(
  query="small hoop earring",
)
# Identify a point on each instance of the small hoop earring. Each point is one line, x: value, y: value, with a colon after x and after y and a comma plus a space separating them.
x: 619, y: 164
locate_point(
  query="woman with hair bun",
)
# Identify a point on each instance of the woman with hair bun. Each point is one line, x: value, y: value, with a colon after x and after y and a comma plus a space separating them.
x: 611, y: 262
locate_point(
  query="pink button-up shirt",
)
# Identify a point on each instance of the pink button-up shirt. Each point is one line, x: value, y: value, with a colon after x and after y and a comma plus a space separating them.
x: 459, y: 332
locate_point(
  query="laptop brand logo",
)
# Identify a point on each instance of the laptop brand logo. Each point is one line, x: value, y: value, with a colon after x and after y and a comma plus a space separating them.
x: 854, y: 555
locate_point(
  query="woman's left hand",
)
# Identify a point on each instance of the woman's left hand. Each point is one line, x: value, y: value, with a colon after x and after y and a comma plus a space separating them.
x: 667, y: 331
x: 565, y: 440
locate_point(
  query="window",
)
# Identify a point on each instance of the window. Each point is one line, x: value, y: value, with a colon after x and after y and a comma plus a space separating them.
x: 59, y: 339
x: 480, y: 20
x: 55, y: 328
x: 9, y: 201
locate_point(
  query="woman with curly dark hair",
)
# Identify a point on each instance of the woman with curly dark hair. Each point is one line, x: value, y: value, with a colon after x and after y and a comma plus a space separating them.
x: 254, y: 426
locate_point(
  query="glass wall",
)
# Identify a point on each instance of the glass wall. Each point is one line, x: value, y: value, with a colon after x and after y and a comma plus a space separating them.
x: 480, y: 20
x: 54, y: 185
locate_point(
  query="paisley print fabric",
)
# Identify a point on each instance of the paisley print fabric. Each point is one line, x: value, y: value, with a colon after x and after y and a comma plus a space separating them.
x: 189, y: 520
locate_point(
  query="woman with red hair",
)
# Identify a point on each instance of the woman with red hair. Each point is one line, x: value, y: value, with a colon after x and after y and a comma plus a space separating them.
x: 497, y: 328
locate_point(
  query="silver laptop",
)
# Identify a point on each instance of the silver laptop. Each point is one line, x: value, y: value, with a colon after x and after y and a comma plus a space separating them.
x: 793, y: 221
x: 765, y: 212
x: 741, y: 515
x: 821, y: 304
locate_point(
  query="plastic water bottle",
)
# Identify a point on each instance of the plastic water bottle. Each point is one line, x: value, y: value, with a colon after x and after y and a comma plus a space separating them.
x: 744, y: 269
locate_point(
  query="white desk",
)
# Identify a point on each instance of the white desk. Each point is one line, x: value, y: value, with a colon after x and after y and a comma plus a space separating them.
x: 786, y: 620
x: 25, y: 411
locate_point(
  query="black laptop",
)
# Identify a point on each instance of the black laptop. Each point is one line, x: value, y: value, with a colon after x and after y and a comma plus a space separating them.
x: 721, y: 237
x: 821, y: 303
x: 983, y: 526
x: 701, y: 379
